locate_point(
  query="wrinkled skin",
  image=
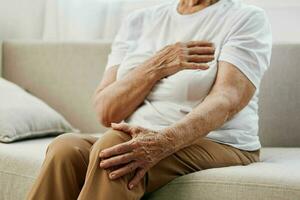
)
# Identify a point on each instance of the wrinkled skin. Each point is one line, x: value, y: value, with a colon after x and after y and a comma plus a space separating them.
x: 180, y: 56
x: 143, y: 151
x: 230, y: 93
x: 137, y: 84
x: 148, y: 147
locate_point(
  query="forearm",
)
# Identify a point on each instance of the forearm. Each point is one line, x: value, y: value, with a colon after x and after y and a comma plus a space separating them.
x: 211, y: 114
x: 230, y: 93
x: 117, y: 101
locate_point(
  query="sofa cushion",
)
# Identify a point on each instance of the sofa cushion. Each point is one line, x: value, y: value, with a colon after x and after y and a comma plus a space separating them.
x: 19, y: 164
x: 276, y: 177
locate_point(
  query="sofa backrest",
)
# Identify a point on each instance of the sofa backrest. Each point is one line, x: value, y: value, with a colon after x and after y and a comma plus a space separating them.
x: 66, y: 74
x: 280, y: 98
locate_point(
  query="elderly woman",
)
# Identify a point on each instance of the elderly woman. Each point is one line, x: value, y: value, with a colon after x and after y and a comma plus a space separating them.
x: 180, y: 94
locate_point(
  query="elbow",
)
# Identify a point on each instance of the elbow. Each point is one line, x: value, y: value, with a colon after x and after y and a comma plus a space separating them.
x: 102, y: 115
x: 104, y: 120
x: 228, y: 103
x: 101, y: 111
x: 231, y: 104
x: 105, y: 113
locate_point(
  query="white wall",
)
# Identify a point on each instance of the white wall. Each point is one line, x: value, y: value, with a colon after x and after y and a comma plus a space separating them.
x: 272, y: 3
x: 24, y: 18
x: 284, y: 16
x: 20, y: 19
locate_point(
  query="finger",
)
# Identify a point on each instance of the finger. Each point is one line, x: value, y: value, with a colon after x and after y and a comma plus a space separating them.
x: 117, y: 160
x: 139, y: 175
x: 202, y: 66
x: 116, y: 150
x: 199, y: 44
x: 199, y: 58
x: 128, y: 129
x: 121, y: 127
x: 201, y: 51
x: 166, y: 47
x: 123, y: 170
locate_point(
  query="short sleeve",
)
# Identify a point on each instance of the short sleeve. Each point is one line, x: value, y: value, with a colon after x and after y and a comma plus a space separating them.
x: 126, y: 39
x: 249, y: 45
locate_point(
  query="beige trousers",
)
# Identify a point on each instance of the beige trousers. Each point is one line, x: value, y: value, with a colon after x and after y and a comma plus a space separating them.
x: 71, y: 168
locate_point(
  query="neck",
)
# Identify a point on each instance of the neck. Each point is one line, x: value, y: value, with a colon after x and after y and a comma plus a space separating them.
x: 192, y: 3
x: 191, y: 6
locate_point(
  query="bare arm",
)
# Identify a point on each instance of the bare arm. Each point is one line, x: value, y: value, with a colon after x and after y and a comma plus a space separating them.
x: 116, y: 100
x: 122, y: 97
x: 231, y: 92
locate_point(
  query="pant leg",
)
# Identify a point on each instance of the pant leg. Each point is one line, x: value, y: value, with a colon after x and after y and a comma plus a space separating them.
x: 97, y: 184
x: 204, y: 154
x: 63, y: 171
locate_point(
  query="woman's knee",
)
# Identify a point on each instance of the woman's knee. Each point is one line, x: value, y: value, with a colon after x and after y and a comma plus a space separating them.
x: 109, y: 139
x: 65, y: 147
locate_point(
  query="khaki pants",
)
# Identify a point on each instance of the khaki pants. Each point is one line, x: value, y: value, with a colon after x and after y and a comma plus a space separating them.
x: 71, y: 169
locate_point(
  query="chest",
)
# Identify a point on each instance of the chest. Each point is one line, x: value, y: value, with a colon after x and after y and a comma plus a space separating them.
x: 186, y: 86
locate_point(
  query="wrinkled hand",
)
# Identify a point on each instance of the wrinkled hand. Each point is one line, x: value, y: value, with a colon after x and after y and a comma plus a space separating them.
x: 193, y: 55
x: 143, y: 151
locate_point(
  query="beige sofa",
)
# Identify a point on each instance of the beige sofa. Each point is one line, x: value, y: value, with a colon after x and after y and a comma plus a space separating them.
x: 65, y: 76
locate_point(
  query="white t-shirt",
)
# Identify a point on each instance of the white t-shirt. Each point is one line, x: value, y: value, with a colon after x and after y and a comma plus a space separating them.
x: 242, y: 36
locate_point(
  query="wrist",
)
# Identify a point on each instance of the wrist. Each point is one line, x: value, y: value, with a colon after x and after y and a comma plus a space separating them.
x: 170, y: 135
x: 148, y: 72
x: 154, y: 68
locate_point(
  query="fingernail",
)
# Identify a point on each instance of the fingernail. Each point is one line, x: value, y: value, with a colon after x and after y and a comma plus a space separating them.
x: 101, y: 154
x: 101, y: 164
x: 112, y: 176
x: 130, y: 186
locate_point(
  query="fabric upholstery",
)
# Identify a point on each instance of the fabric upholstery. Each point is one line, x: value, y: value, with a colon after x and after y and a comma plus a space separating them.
x: 20, y: 163
x: 65, y: 76
x: 280, y: 98
x: 0, y: 58
x: 277, y: 177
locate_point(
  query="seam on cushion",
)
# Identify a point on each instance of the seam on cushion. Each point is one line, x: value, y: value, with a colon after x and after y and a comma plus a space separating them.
x: 50, y: 132
x: 235, y: 183
x: 15, y: 174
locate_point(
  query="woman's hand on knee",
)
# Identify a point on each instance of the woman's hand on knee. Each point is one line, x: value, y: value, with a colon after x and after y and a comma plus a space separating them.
x: 143, y: 151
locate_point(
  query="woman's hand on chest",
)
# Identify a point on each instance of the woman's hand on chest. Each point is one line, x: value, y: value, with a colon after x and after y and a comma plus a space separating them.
x: 181, y: 56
